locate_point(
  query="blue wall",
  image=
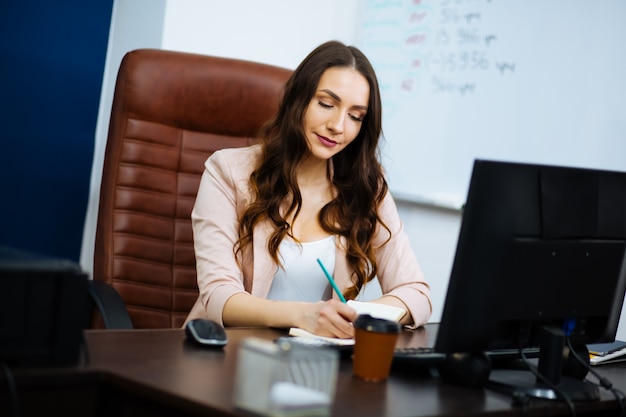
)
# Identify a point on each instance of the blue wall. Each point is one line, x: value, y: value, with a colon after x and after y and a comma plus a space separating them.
x: 52, y: 63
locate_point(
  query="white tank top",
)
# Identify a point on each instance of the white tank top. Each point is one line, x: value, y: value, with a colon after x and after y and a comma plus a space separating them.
x: 300, y: 277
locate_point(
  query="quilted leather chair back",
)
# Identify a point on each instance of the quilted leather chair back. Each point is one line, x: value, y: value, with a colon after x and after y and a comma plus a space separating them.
x: 170, y: 111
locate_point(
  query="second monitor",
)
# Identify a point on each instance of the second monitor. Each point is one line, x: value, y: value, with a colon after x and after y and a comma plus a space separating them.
x: 540, y: 258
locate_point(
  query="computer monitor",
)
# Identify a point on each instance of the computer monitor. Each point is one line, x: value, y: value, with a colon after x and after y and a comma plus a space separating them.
x: 540, y: 250
x: 43, y: 310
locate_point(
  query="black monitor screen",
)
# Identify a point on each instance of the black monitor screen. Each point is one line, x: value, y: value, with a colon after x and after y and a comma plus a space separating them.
x: 538, y: 246
x: 43, y: 310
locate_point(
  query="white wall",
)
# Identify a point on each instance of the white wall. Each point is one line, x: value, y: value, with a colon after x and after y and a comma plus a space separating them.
x: 278, y: 32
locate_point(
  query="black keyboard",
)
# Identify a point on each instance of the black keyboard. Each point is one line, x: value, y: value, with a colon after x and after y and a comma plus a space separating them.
x: 427, y: 355
x: 418, y: 355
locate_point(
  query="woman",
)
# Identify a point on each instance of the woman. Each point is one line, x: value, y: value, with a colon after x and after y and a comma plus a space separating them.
x: 313, y: 188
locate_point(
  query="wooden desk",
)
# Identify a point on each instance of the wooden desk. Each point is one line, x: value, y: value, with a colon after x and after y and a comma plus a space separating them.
x: 158, y: 373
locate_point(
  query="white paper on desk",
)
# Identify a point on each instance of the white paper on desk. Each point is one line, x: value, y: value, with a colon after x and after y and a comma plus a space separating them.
x: 297, y: 332
x: 381, y: 311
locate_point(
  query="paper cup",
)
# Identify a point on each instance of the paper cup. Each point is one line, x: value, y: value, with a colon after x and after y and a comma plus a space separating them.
x: 374, y: 345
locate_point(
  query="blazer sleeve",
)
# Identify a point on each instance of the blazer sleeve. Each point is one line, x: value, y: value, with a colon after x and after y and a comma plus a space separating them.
x: 399, y: 273
x: 214, y: 218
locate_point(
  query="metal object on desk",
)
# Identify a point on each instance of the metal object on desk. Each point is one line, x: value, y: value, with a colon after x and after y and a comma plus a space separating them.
x: 278, y: 379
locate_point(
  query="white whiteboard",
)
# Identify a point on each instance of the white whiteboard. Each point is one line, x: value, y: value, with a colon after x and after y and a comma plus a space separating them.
x: 531, y: 81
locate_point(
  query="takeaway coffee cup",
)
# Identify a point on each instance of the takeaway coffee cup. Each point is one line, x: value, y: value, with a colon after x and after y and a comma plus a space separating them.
x: 374, y: 344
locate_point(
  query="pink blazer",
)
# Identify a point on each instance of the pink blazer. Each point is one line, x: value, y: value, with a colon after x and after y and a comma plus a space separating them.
x: 223, y: 195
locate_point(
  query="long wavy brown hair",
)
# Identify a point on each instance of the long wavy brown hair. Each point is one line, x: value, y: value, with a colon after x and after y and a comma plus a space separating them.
x: 357, y: 178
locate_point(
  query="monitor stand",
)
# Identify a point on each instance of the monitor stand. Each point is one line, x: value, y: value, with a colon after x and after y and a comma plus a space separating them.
x: 525, y: 383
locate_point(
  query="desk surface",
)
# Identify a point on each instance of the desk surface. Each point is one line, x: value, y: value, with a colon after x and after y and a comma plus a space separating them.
x: 161, y: 367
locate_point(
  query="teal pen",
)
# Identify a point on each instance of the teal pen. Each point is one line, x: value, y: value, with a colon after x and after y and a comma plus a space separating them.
x: 332, y: 281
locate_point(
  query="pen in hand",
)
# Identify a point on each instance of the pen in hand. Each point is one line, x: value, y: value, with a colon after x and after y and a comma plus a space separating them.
x: 332, y: 281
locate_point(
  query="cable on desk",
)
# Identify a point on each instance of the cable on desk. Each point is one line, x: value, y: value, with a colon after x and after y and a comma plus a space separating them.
x: 8, y: 376
x: 602, y: 381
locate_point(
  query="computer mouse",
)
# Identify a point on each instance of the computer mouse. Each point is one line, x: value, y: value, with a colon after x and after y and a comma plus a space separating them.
x: 206, y: 333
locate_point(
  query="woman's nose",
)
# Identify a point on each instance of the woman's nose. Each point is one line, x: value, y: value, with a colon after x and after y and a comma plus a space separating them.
x: 335, y: 123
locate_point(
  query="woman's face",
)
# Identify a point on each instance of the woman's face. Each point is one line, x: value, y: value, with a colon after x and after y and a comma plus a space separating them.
x: 335, y: 114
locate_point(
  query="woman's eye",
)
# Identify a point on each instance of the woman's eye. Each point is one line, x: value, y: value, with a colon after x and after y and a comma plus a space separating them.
x: 356, y: 118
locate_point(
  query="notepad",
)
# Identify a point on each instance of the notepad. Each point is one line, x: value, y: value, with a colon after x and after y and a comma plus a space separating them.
x: 607, y: 353
x: 603, y: 349
x: 381, y: 311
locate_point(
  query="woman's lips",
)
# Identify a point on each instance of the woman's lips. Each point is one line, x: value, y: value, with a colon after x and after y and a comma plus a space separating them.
x: 326, y: 142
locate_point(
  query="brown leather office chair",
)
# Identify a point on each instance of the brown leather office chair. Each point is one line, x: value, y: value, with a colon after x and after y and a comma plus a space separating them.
x: 170, y: 111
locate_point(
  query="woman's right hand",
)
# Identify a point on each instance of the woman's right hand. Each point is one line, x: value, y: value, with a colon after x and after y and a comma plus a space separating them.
x: 330, y: 318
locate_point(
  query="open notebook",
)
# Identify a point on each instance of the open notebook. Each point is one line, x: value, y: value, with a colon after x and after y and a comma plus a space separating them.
x: 381, y: 311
